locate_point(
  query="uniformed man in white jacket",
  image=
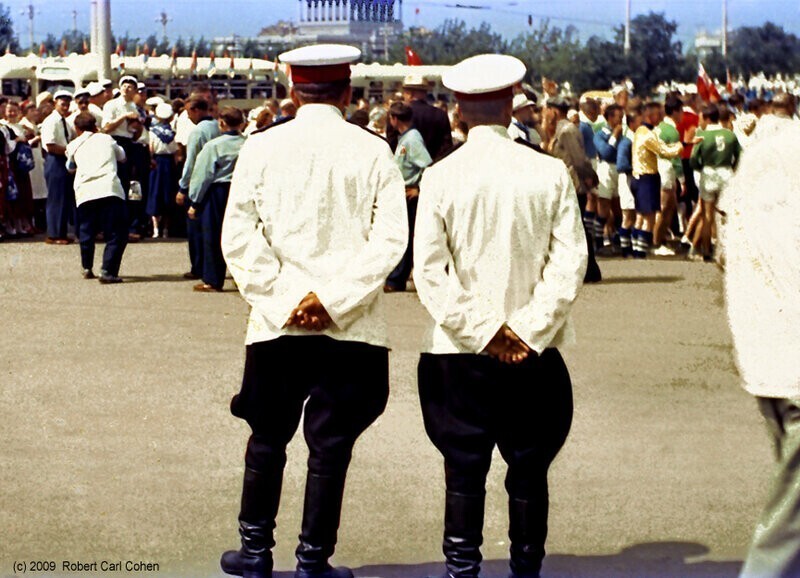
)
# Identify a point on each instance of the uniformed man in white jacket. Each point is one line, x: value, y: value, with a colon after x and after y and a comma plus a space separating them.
x: 500, y: 257
x: 762, y: 286
x: 312, y: 228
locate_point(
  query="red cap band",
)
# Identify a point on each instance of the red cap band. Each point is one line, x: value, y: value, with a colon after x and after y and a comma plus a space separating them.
x: 483, y: 96
x: 315, y: 74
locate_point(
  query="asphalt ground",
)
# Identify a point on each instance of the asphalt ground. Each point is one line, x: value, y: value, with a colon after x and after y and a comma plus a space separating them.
x: 118, y: 445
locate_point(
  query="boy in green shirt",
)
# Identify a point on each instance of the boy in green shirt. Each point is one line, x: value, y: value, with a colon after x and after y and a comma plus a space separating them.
x: 715, y: 158
x: 671, y: 171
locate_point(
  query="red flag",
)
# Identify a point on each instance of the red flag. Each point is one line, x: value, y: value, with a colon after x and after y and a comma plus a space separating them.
x: 193, y: 65
x: 703, y: 82
x: 137, y: 51
x: 153, y: 53
x: 729, y: 81
x: 42, y: 50
x: 119, y: 51
x: 62, y: 50
x: 416, y: 11
x: 412, y: 58
x: 85, y: 47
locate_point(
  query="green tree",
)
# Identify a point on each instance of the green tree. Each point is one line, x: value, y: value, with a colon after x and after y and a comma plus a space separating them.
x: 201, y: 46
x: 549, y: 51
x: 251, y: 49
x: 151, y: 42
x: 8, y: 40
x: 655, y: 56
x: 768, y: 48
x: 449, y: 43
x: 181, y: 48
x: 603, y: 63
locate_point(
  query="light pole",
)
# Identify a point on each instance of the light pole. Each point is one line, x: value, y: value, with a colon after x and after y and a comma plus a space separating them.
x: 627, y: 26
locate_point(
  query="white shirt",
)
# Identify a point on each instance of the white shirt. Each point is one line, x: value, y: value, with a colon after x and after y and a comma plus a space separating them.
x: 18, y: 129
x: 96, y: 156
x: 493, y: 245
x: 761, y: 236
x: 53, y: 130
x: 325, y: 214
x: 183, y: 128
x: 97, y: 113
x: 115, y: 109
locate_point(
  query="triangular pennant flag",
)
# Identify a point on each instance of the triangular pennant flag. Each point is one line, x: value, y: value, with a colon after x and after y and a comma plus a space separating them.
x: 212, y: 65
x: 85, y: 47
x: 62, y: 50
x: 193, y: 65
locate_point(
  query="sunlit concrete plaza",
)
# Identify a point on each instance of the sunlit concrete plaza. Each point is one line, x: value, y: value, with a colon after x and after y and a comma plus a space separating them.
x: 118, y: 446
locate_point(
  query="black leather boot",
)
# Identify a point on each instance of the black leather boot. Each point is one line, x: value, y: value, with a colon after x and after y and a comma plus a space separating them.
x: 261, y: 493
x: 321, y: 512
x: 463, y: 535
x: 528, y: 533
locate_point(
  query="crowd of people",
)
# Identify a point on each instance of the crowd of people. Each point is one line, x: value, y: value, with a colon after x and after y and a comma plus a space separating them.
x: 649, y: 174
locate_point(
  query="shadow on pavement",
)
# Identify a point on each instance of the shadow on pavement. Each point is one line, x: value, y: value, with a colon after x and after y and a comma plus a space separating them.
x: 161, y: 278
x: 650, y: 560
x: 640, y: 280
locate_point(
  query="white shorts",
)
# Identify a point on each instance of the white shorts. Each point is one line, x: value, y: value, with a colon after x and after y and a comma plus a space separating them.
x: 608, y: 178
x: 713, y: 181
x: 626, y: 201
x: 667, y: 172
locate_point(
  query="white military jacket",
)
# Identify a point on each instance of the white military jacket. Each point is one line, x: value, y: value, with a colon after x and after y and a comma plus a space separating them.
x: 316, y: 204
x: 760, y: 237
x: 499, y: 239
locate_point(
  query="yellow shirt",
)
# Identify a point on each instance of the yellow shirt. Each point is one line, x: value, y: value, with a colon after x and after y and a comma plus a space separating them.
x: 647, y: 147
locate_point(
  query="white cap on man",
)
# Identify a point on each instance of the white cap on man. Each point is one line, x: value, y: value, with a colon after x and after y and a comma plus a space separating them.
x: 320, y: 62
x: 154, y: 101
x: 415, y: 82
x: 62, y: 94
x: 94, y: 88
x: 128, y: 80
x: 163, y: 111
x: 80, y: 93
x: 521, y: 101
x: 484, y: 77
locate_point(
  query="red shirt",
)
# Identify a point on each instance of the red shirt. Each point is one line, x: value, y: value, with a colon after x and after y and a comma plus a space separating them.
x: 690, y: 120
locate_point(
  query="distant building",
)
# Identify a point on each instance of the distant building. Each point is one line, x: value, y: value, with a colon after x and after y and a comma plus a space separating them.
x: 372, y: 25
x: 705, y: 43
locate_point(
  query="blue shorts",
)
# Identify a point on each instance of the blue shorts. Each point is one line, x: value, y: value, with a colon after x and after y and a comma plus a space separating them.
x: 647, y: 193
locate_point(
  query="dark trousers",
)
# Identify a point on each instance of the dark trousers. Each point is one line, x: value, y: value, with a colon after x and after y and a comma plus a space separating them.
x: 399, y: 277
x: 211, y: 216
x: 127, y: 172
x: 194, y: 234
x: 109, y: 216
x: 592, y: 268
x: 472, y: 403
x: 60, y: 207
x: 344, y: 386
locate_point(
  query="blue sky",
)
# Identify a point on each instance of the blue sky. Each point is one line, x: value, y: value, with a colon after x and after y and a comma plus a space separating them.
x: 247, y: 17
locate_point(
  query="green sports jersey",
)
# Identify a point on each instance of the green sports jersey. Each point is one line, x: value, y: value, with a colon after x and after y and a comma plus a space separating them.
x: 668, y: 133
x: 719, y: 148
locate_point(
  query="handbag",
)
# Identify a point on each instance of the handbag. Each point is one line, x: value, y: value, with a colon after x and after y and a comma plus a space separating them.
x: 23, y: 158
x: 135, y: 192
x: 12, y: 190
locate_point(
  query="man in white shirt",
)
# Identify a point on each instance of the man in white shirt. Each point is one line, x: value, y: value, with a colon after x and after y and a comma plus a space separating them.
x: 97, y: 98
x: 312, y: 228
x: 56, y: 134
x: 93, y: 156
x: 522, y: 125
x: 121, y: 121
x: 762, y: 276
x: 500, y: 258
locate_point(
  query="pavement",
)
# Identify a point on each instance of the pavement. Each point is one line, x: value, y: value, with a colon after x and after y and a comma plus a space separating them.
x: 118, y: 446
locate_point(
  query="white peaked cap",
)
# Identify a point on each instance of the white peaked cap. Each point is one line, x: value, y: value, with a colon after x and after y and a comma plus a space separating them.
x: 163, y: 111
x: 484, y: 74
x: 321, y: 55
x: 94, y: 88
x: 521, y: 101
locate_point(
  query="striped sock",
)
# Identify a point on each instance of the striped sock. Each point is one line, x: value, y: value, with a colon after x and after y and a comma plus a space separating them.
x: 588, y: 222
x: 625, y: 242
x: 599, y: 226
x: 646, y: 241
x: 638, y: 252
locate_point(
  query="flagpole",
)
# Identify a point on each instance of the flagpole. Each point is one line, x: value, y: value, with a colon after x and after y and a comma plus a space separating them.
x: 104, y: 39
x: 627, y: 26
x: 725, y: 29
